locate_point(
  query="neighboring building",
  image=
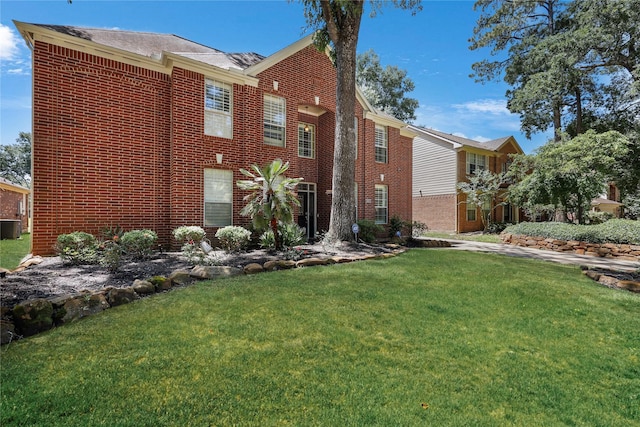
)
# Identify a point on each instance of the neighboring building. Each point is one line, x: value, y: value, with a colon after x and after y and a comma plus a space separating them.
x: 440, y: 161
x: 14, y: 203
x: 609, y: 202
x: 148, y: 130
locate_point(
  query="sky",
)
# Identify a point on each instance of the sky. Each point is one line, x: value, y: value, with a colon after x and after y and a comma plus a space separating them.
x: 432, y: 46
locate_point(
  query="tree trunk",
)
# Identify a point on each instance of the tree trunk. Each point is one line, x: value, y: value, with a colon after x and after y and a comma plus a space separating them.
x: 579, y: 129
x: 344, y: 35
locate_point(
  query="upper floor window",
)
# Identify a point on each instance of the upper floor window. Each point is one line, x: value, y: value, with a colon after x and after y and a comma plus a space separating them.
x: 306, y: 140
x: 475, y: 162
x: 218, y: 109
x: 381, y: 144
x: 274, y: 120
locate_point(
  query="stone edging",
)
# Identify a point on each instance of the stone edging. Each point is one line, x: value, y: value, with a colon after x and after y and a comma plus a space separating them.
x: 37, y: 315
x: 608, y: 250
x: 613, y: 282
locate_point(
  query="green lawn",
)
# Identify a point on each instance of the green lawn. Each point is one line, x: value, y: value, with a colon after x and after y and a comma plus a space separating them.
x: 486, y: 238
x: 481, y: 339
x: 13, y: 250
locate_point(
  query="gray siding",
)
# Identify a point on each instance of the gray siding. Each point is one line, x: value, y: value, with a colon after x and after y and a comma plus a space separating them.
x: 434, y: 167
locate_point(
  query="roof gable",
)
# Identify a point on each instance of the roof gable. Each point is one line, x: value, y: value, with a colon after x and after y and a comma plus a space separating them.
x: 458, y: 142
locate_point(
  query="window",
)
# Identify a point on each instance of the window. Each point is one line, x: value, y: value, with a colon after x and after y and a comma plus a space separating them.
x: 306, y: 140
x: 218, y: 197
x: 475, y: 162
x: 471, y: 212
x: 274, y: 120
x: 381, y: 144
x: 382, y: 203
x: 218, y: 111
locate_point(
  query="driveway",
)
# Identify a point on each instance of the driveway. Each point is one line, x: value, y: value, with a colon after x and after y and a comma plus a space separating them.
x: 559, y: 257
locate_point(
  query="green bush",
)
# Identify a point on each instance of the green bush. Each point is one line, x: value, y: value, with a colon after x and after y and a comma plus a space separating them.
x: 496, y: 227
x: 368, y: 230
x: 233, y: 238
x: 139, y: 244
x: 418, y: 228
x: 397, y: 224
x: 290, y: 233
x: 77, y: 248
x: 621, y: 231
x: 187, y: 233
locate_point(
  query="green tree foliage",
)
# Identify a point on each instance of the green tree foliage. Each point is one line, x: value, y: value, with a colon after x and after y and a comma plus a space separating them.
x: 568, y: 174
x: 272, y: 196
x: 481, y: 189
x: 385, y: 88
x: 15, y: 160
x: 568, y: 63
x: 337, y: 24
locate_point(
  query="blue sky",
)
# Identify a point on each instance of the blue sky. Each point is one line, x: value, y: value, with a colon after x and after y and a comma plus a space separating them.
x: 432, y: 46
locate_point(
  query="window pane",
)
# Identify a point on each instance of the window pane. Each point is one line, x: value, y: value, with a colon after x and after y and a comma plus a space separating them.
x: 218, y: 197
x: 381, y: 204
x: 274, y: 120
x: 381, y: 144
x: 306, y: 140
x: 218, y: 117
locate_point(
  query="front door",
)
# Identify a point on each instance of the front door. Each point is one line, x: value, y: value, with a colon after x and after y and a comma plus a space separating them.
x: 307, y: 211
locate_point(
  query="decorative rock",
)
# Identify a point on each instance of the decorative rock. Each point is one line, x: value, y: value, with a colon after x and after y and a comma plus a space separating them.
x: 608, y: 281
x: 340, y: 259
x: 253, y: 268
x: 33, y: 316
x: 7, y: 331
x: 214, y: 272
x: 143, y: 287
x: 119, y: 296
x: 629, y: 285
x: 592, y: 274
x: 308, y: 262
x: 82, y: 306
x: 180, y: 277
x: 281, y: 264
x: 32, y: 261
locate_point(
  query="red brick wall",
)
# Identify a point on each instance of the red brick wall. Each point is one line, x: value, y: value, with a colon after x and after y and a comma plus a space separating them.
x: 101, y: 146
x: 10, y: 204
x: 120, y: 145
x: 438, y: 212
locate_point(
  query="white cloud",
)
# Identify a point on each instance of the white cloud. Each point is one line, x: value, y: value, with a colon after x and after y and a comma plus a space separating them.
x: 8, y: 43
x: 484, y: 106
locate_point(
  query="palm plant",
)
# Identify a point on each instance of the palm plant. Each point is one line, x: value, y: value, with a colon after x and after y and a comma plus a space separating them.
x: 272, y: 196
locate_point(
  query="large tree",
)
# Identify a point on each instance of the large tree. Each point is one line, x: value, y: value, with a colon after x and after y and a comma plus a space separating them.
x: 338, y: 25
x: 568, y: 63
x: 385, y: 88
x: 570, y: 173
x: 15, y: 160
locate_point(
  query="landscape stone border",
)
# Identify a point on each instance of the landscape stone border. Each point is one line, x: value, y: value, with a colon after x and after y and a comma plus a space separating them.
x: 37, y: 315
x: 608, y: 250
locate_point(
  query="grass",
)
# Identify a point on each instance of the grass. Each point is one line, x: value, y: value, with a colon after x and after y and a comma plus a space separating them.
x: 13, y: 250
x: 492, y: 341
x: 486, y: 238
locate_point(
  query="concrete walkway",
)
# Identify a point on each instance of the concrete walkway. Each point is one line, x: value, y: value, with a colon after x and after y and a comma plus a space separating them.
x: 545, y: 255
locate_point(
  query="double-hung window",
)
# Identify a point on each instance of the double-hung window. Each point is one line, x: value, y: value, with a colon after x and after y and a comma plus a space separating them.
x: 382, y: 144
x: 475, y: 162
x: 382, y: 204
x: 218, y: 109
x: 306, y: 140
x: 218, y: 197
x: 471, y: 211
x: 275, y: 120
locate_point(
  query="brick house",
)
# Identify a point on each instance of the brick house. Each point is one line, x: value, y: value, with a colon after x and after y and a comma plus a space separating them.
x: 147, y: 130
x: 14, y: 203
x: 440, y: 161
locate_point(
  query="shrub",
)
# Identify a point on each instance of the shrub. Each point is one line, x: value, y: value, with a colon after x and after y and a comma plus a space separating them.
x: 111, y: 254
x: 418, y: 228
x: 290, y: 233
x: 622, y: 231
x: 598, y: 217
x: 496, y: 227
x: 233, y: 238
x: 397, y: 224
x: 189, y: 234
x: 196, y: 256
x: 368, y: 230
x: 139, y: 243
x: 77, y: 248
